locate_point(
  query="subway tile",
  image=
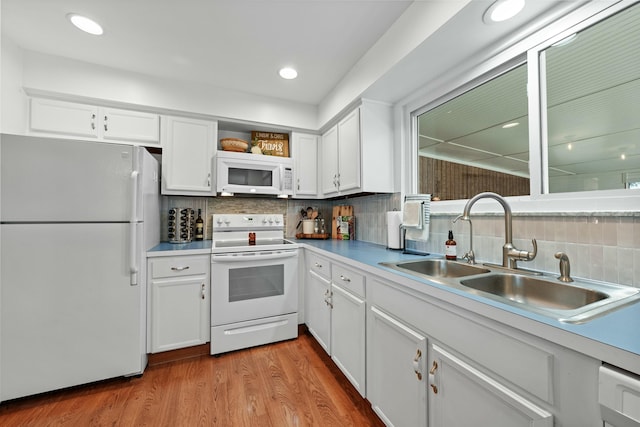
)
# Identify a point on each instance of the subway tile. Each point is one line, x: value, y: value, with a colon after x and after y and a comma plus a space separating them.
x: 610, y: 264
x: 609, y: 231
x: 624, y: 259
x: 625, y: 232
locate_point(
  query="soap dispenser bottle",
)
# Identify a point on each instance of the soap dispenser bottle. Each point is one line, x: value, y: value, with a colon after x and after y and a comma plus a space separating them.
x: 450, y: 247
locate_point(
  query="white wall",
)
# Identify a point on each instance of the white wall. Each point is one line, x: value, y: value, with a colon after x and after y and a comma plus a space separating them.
x: 50, y: 74
x: 13, y: 102
x: 416, y: 24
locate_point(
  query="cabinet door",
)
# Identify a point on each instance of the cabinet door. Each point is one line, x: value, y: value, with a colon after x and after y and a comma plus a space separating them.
x: 349, y: 152
x: 126, y: 125
x: 348, y: 335
x: 64, y: 118
x: 305, y: 148
x: 317, y: 309
x: 188, y: 146
x: 329, y: 167
x: 486, y: 401
x: 396, y: 376
x: 179, y: 312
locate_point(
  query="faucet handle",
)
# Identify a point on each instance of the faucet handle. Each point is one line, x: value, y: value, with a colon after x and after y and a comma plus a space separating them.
x: 532, y: 255
x: 520, y: 255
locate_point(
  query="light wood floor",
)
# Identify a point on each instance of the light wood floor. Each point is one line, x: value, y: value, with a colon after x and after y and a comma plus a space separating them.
x: 291, y: 383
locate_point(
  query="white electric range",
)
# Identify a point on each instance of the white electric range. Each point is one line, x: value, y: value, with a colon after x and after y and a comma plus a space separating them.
x: 254, y: 282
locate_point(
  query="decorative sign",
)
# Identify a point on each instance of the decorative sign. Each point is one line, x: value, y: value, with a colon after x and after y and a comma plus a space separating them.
x: 270, y: 143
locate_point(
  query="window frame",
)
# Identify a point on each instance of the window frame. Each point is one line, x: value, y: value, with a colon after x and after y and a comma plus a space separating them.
x: 530, y: 50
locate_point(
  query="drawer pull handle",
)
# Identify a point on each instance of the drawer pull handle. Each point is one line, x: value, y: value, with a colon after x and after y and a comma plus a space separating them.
x: 318, y: 265
x: 180, y: 268
x: 345, y: 279
x: 203, y: 292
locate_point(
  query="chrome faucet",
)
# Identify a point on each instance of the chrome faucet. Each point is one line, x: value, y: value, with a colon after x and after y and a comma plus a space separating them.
x: 510, y: 254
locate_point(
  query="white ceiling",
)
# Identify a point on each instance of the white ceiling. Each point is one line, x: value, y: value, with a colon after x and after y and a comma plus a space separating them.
x: 235, y: 44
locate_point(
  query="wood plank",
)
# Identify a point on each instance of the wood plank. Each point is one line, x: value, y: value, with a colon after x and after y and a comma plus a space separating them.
x: 291, y: 383
x: 343, y: 210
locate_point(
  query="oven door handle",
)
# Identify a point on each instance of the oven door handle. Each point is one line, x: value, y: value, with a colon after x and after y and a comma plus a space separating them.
x: 254, y: 256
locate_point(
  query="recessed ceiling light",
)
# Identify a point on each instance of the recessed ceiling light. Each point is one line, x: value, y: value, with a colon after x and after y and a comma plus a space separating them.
x: 510, y: 125
x: 85, y: 24
x: 288, y: 73
x: 502, y: 10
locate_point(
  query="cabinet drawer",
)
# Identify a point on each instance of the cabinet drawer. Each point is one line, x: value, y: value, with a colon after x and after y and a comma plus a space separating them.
x: 319, y: 264
x: 348, y: 279
x: 179, y: 266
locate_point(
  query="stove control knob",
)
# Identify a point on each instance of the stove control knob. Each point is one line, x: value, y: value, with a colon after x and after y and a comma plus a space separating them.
x: 270, y: 220
x: 219, y: 221
x: 226, y: 221
x: 264, y: 221
x: 277, y: 220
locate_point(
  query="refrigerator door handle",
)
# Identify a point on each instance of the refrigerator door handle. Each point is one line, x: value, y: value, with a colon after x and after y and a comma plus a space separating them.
x: 133, y: 234
x: 133, y: 220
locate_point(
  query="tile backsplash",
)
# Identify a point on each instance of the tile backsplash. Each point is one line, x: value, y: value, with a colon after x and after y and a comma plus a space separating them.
x: 602, y: 246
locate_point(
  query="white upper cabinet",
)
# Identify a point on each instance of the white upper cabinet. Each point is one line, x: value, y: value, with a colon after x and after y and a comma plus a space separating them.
x: 305, y: 155
x: 349, y: 141
x: 188, y: 147
x: 357, y: 153
x: 76, y: 120
x: 125, y: 125
x: 329, y: 163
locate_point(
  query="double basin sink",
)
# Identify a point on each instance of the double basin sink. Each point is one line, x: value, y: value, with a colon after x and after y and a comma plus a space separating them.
x: 574, y: 302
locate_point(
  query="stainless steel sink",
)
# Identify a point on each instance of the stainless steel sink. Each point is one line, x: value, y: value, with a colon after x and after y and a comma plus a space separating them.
x: 574, y: 303
x: 436, y: 268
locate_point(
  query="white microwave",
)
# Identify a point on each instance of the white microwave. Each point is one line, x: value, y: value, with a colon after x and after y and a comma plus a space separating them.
x: 247, y: 173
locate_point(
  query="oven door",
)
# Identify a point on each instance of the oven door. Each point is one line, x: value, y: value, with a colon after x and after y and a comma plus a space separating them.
x: 253, y: 285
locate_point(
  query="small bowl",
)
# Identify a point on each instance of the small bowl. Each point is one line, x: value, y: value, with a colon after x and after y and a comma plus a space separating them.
x: 234, y: 144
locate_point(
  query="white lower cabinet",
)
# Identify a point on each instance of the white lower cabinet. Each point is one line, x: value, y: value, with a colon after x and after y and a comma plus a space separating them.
x: 396, y: 375
x: 335, y: 314
x: 317, y: 310
x: 432, y: 363
x: 461, y: 395
x: 348, y: 314
x: 178, y: 302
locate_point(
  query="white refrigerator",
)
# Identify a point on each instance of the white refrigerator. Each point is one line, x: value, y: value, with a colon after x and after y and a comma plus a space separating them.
x: 76, y: 220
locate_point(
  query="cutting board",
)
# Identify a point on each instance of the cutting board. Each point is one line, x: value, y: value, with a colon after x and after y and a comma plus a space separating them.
x: 339, y: 211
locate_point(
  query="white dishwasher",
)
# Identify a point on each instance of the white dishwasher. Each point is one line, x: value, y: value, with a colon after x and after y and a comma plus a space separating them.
x: 619, y: 397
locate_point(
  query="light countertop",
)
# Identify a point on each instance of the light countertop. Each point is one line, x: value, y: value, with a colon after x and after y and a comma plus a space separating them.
x: 613, y: 338
x: 200, y: 247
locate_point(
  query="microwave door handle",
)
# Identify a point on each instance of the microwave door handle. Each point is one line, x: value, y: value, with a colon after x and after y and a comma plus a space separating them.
x: 281, y: 180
